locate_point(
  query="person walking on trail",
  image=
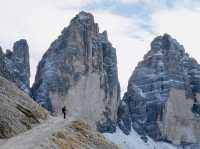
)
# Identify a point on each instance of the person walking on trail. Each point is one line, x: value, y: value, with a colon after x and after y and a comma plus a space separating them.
x: 64, y: 111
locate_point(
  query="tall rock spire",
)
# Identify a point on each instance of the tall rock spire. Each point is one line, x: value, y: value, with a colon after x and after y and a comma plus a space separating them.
x: 21, y: 60
x: 15, y: 65
x: 79, y: 70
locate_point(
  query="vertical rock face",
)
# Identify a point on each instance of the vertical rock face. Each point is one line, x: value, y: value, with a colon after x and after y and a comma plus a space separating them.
x: 15, y: 65
x: 150, y: 107
x: 180, y: 125
x: 79, y: 70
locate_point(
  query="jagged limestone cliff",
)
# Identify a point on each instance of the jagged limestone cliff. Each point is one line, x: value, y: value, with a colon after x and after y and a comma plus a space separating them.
x: 14, y: 65
x: 162, y: 99
x: 79, y: 70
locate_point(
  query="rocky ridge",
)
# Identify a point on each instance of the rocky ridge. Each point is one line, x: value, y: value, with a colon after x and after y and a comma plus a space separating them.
x: 164, y: 82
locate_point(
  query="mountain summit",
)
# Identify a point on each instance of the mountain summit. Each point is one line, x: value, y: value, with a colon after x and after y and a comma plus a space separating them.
x: 163, y: 95
x: 14, y: 65
x: 79, y: 70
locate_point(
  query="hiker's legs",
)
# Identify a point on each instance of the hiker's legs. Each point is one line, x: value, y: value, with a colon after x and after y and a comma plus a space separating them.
x: 64, y: 115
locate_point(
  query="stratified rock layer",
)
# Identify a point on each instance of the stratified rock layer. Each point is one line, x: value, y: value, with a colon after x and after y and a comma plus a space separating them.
x: 15, y: 65
x: 18, y: 112
x: 148, y: 104
x: 79, y: 70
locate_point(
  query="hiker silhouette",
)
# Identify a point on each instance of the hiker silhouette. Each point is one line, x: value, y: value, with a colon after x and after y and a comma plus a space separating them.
x: 64, y: 111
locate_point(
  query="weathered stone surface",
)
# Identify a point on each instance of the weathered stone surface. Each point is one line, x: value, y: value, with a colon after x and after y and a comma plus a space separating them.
x: 18, y: 112
x: 15, y: 65
x: 180, y: 124
x: 164, y: 67
x: 79, y: 70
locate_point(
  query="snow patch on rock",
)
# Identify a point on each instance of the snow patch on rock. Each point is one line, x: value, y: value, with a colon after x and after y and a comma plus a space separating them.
x: 134, y: 141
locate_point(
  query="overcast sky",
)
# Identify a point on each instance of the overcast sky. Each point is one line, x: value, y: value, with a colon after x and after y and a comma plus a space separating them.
x: 131, y: 25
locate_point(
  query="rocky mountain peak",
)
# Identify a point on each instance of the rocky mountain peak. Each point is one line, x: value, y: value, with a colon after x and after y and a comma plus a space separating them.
x: 15, y: 65
x: 19, y: 44
x: 84, y: 16
x: 84, y: 22
x: 164, y: 68
x: 20, y: 57
x: 79, y: 70
x: 165, y: 44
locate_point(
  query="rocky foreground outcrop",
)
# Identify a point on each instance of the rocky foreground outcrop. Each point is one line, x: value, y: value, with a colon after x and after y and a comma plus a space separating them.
x: 18, y: 112
x: 163, y: 95
x: 14, y: 65
x: 79, y: 135
x: 79, y: 70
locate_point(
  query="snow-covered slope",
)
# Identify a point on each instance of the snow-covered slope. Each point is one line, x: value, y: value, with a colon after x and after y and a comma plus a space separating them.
x: 133, y: 141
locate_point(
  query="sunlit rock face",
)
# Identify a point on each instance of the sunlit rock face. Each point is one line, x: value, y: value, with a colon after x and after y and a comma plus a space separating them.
x: 79, y: 70
x: 15, y: 65
x: 146, y: 106
x: 180, y: 125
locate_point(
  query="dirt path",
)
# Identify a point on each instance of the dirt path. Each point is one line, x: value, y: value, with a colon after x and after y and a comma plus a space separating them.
x: 35, y: 136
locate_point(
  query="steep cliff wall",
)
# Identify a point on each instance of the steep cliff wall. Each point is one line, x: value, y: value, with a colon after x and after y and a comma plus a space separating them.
x: 149, y: 106
x: 79, y: 70
x: 180, y: 124
x: 14, y: 65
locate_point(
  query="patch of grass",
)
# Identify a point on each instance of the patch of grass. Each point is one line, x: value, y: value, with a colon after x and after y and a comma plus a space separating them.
x: 79, y: 135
